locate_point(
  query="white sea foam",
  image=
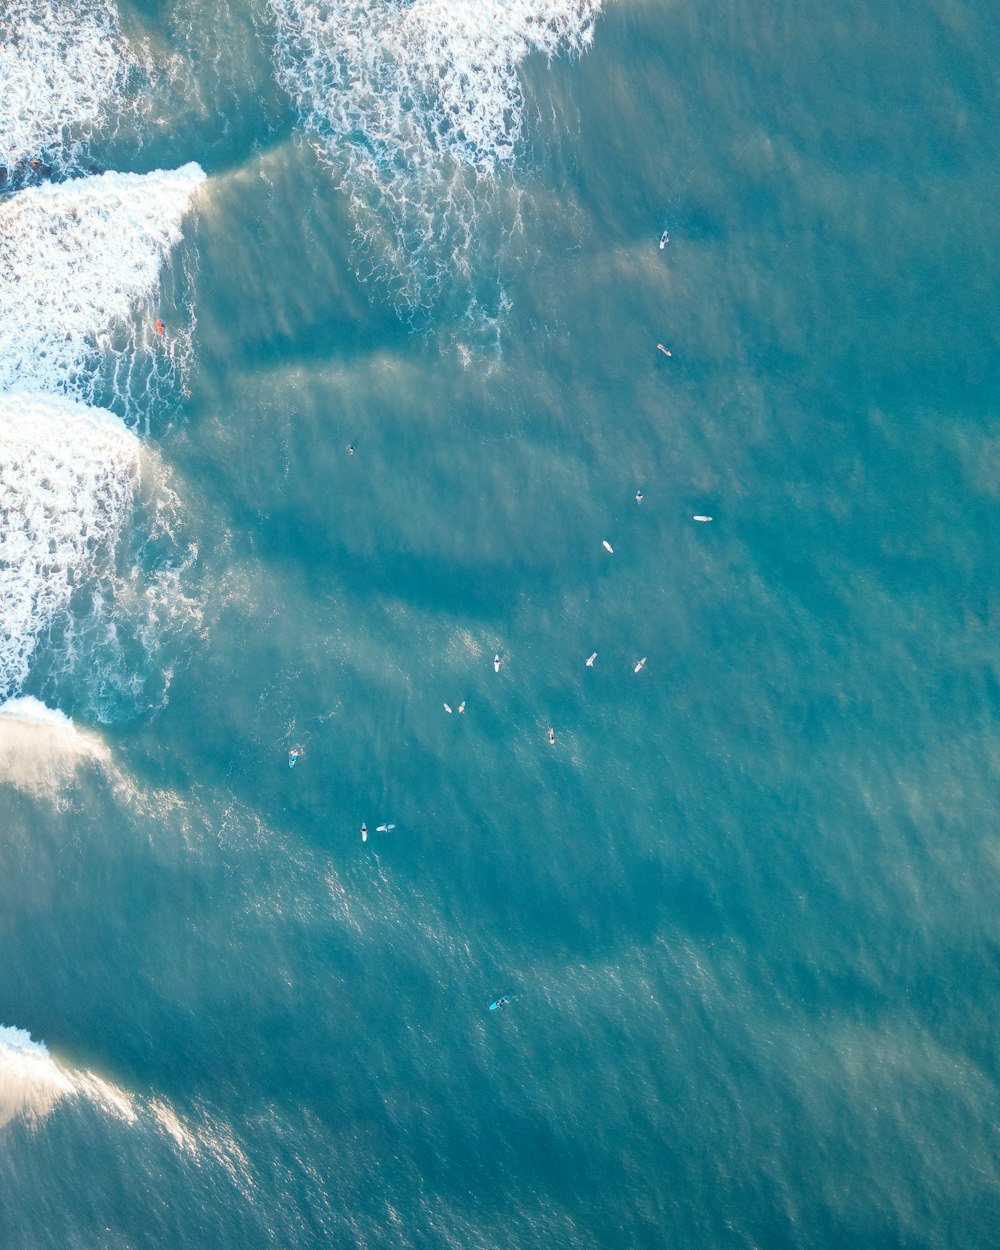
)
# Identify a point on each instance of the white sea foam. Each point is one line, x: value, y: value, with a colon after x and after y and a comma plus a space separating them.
x: 65, y: 67
x: 80, y: 266
x: 68, y: 475
x: 41, y: 749
x: 420, y: 109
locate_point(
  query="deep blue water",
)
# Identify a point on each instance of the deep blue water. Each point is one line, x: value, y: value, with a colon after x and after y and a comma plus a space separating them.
x: 745, y: 906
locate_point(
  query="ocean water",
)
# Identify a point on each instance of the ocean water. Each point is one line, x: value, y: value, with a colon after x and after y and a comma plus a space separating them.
x: 745, y: 906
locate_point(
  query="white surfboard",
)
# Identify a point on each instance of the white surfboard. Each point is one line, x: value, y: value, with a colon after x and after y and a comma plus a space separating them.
x: 608, y: 547
x: 701, y: 518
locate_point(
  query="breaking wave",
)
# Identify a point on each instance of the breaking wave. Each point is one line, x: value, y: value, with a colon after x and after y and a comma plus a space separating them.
x: 66, y: 71
x: 41, y: 749
x: 30, y: 1083
x: 418, y: 105
x: 80, y: 269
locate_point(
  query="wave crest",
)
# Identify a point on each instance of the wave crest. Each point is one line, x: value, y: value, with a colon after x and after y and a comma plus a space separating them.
x: 41, y: 749
x: 30, y: 1082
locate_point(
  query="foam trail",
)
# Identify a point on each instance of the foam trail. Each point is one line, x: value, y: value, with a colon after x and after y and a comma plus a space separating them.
x: 41, y: 749
x: 65, y: 70
x: 68, y: 475
x: 80, y: 267
x: 420, y: 109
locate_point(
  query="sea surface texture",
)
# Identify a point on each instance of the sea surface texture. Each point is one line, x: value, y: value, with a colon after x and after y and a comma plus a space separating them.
x: 366, y: 366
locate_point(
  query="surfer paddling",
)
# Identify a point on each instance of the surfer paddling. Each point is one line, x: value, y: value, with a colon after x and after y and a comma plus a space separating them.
x: 661, y: 348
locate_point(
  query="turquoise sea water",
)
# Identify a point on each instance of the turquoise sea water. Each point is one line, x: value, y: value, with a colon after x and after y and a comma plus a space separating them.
x: 745, y: 907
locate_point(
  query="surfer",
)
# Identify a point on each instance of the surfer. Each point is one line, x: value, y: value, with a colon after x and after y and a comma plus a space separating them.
x: 461, y: 706
x: 364, y: 832
x: 350, y: 449
x: 496, y: 663
x: 500, y: 1003
x: 661, y: 348
x: 159, y: 326
x: 638, y: 496
x: 552, y: 736
x: 447, y: 708
x: 294, y: 755
x: 590, y: 662
x: 607, y: 546
x: 664, y: 240
x: 639, y: 665
x: 385, y: 828
x: 701, y: 518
